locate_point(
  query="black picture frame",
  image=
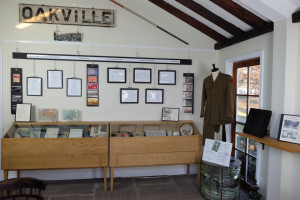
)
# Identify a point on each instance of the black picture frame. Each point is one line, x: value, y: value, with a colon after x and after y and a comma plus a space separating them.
x: 289, y: 129
x: 154, y: 96
x: 142, y: 75
x: 170, y: 114
x: 166, y: 77
x: 34, y: 86
x: 129, y: 95
x: 257, y: 122
x: 116, y: 75
x: 70, y: 91
x: 59, y: 76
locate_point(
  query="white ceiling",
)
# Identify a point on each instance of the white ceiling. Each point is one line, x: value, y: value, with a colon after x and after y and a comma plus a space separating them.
x: 273, y: 10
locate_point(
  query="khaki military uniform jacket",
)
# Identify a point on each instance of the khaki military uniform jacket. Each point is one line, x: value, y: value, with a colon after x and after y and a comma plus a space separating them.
x: 217, y: 100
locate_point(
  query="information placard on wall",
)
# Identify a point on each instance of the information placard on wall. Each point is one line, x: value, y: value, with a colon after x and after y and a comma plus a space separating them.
x: 16, y: 88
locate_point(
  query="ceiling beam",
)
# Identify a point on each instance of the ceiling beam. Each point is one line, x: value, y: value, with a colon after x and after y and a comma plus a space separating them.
x: 190, y: 20
x: 296, y: 17
x: 269, y: 27
x: 241, y: 13
x: 207, y: 14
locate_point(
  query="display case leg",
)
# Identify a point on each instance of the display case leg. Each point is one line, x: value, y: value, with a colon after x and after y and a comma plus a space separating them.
x: 18, y: 173
x: 198, y: 173
x: 5, y: 175
x: 105, y: 179
x: 111, y: 179
x: 188, y: 169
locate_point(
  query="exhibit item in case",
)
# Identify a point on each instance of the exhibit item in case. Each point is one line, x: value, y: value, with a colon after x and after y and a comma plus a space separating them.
x: 70, y: 115
x: 289, y: 129
x: 186, y: 129
x: 47, y: 115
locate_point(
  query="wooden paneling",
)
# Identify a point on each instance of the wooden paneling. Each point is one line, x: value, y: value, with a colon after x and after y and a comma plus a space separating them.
x: 148, y: 159
x: 190, y: 20
x: 207, y: 14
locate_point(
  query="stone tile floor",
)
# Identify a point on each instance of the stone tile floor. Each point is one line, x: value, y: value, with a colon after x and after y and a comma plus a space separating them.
x: 180, y: 187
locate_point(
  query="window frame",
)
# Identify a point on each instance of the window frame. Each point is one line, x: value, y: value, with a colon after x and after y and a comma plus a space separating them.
x: 236, y: 65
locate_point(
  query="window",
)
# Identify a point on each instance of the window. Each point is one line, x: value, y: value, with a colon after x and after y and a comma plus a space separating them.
x: 247, y: 89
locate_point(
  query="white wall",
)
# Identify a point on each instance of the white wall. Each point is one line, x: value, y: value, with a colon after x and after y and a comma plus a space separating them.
x: 130, y: 36
x: 1, y: 109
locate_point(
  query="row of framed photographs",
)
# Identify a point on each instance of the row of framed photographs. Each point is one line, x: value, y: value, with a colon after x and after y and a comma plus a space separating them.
x: 141, y: 75
x: 131, y: 95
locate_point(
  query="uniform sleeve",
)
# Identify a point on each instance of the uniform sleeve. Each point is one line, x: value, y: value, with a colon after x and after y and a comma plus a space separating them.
x: 203, y: 101
x: 229, y: 98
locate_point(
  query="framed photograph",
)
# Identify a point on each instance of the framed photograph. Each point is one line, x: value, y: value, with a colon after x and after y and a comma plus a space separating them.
x: 74, y: 87
x: 166, y: 77
x: 142, y: 75
x: 34, y: 86
x: 116, y: 75
x: 47, y: 115
x: 289, y: 129
x: 70, y: 115
x: 23, y: 112
x: 129, y: 95
x: 154, y: 96
x: 170, y: 114
x: 93, y: 101
x: 187, y: 95
x: 54, y: 79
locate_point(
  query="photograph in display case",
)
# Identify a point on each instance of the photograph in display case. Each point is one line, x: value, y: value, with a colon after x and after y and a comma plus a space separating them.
x: 289, y: 129
x: 47, y: 115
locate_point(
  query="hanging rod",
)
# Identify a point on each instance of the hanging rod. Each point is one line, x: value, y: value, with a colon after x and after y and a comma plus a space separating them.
x: 115, y: 59
x: 110, y: 45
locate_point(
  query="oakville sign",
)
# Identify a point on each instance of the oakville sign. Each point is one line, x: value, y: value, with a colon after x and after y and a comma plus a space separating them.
x: 29, y: 13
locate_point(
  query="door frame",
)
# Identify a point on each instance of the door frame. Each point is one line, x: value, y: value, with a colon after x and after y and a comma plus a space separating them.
x: 1, y: 108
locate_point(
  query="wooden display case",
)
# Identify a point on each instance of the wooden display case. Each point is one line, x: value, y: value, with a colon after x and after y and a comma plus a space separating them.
x: 27, y: 153
x: 155, y: 150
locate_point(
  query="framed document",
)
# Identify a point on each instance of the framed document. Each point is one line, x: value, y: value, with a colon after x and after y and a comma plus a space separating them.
x: 34, y: 86
x: 47, y: 115
x: 23, y: 112
x: 116, y: 75
x: 74, y: 86
x: 129, y: 95
x: 142, y: 75
x: 170, y: 114
x: 289, y: 129
x: 70, y: 115
x: 55, y: 79
x: 155, y: 96
x: 166, y: 77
